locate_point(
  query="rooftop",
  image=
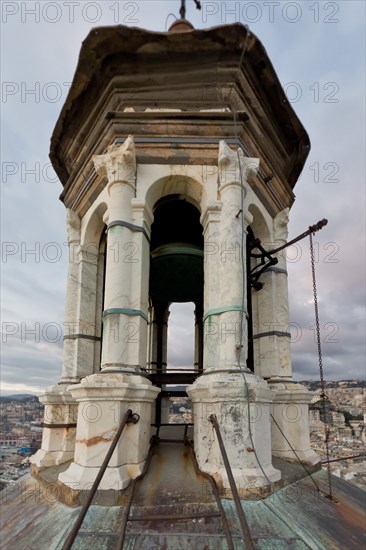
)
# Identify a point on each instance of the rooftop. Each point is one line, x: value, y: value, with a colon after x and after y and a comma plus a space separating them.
x: 296, y: 516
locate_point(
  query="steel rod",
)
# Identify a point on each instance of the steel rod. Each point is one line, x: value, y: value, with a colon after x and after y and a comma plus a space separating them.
x: 343, y: 458
x: 126, y: 514
x: 312, y: 229
x: 215, y: 491
x: 242, y: 519
x: 128, y: 417
x: 169, y: 517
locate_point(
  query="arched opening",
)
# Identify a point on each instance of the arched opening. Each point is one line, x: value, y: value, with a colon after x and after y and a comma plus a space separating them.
x: 176, y: 276
x: 94, y: 241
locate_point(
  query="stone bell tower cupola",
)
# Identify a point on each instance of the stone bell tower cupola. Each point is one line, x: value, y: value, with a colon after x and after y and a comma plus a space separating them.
x: 176, y: 151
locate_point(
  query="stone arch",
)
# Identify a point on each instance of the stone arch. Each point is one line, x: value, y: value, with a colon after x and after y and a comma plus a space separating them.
x: 94, y: 226
x: 181, y: 185
x: 260, y: 226
x: 92, y: 278
x: 181, y: 248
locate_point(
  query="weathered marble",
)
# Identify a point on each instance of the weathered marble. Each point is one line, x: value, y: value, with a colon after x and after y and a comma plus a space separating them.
x: 103, y: 401
x: 228, y: 389
x: 290, y: 431
x: 57, y: 442
x: 242, y: 407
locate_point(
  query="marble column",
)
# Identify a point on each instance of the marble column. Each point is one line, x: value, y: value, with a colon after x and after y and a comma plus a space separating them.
x: 271, y: 331
x: 227, y: 388
x: 159, y: 355
x: 198, y: 338
x: 59, y: 423
x: 104, y: 397
x: 290, y: 423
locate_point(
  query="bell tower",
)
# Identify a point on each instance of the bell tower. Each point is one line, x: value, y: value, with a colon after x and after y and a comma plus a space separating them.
x: 178, y: 153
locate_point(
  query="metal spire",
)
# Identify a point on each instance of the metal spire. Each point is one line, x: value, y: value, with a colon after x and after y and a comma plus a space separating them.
x: 183, y: 10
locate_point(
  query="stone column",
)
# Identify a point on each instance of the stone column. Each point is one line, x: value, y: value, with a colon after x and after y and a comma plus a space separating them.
x: 227, y: 388
x: 59, y: 426
x: 159, y: 355
x: 82, y: 331
x: 272, y: 331
x: 290, y: 423
x: 198, y: 338
x: 104, y: 397
x: 72, y: 299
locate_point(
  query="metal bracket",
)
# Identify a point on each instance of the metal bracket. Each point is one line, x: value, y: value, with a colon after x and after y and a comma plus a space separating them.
x: 266, y: 259
x: 133, y: 418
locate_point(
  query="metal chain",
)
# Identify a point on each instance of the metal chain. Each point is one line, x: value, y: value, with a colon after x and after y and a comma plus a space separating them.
x: 320, y: 359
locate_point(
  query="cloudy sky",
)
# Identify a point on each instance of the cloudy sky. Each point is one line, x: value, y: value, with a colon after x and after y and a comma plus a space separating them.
x: 317, y: 49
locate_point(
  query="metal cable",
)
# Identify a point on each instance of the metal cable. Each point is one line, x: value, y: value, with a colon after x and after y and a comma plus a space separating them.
x: 295, y: 453
x: 241, y: 325
x: 320, y: 359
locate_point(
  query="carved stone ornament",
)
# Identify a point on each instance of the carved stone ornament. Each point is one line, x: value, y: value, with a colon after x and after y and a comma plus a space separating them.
x: 234, y: 166
x: 73, y: 226
x: 118, y: 163
x: 280, y: 225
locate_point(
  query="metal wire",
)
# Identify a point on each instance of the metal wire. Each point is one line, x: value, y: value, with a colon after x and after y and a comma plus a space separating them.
x: 241, y: 326
x: 295, y: 453
x: 320, y: 360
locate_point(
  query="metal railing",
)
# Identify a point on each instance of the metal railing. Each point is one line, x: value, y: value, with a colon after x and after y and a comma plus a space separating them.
x: 225, y: 524
x: 242, y: 519
x: 128, y: 418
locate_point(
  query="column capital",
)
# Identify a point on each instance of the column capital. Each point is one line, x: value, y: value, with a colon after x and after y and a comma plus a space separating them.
x: 73, y: 223
x: 280, y: 226
x: 234, y: 166
x: 212, y: 213
x: 118, y: 164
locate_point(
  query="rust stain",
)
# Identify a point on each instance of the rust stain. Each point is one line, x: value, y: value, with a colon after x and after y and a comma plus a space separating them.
x: 186, y: 462
x: 133, y: 471
x: 351, y: 515
x: 94, y: 440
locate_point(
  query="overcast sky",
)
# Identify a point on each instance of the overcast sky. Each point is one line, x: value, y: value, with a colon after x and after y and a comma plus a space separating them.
x: 317, y: 49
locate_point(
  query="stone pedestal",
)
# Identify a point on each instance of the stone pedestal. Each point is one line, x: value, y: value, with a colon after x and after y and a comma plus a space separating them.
x: 58, y: 438
x: 291, y: 425
x: 244, y: 424
x: 103, y: 401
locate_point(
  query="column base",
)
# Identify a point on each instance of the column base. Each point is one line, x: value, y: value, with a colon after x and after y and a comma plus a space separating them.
x: 290, y: 424
x: 104, y: 399
x: 58, y: 438
x: 251, y: 483
x: 81, y: 478
x: 242, y: 411
x: 46, y: 459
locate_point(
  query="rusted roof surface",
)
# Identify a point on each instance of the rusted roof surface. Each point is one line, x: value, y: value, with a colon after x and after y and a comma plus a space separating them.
x: 295, y: 517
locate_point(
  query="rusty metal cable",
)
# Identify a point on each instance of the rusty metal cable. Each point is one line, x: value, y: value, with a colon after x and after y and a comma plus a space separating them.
x: 320, y: 360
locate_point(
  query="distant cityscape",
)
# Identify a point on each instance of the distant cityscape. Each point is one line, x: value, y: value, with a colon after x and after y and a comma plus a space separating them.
x: 342, y: 417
